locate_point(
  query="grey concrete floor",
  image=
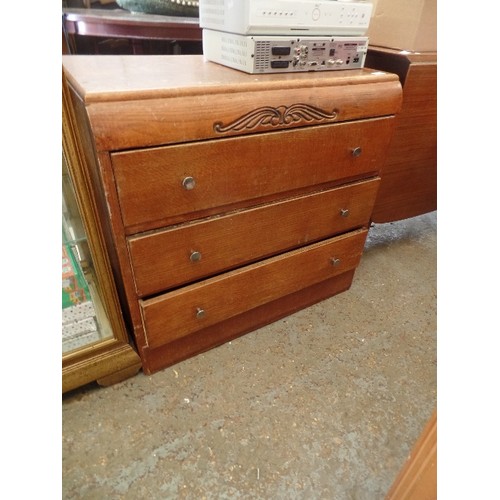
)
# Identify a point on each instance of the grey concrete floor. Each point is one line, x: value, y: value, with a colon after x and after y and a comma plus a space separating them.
x: 324, y: 404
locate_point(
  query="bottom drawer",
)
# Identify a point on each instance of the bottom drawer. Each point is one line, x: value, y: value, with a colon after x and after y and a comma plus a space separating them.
x: 195, y: 307
x: 155, y: 359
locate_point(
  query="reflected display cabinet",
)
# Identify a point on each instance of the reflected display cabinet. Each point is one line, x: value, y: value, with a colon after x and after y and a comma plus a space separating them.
x: 95, y: 343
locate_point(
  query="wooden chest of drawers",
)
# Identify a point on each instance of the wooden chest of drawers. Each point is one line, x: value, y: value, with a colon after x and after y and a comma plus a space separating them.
x: 229, y: 200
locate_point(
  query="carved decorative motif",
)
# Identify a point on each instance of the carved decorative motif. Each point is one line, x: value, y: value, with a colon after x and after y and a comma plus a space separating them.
x: 275, y: 117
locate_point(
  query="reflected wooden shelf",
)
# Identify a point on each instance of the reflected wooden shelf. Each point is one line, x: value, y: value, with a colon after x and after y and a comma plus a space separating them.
x: 136, y: 27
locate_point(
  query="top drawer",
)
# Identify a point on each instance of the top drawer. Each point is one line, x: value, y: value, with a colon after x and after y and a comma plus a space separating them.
x: 166, y: 185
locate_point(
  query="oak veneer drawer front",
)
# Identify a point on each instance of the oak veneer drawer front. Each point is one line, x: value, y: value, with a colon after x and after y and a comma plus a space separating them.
x: 174, y: 183
x: 192, y: 251
x: 194, y: 307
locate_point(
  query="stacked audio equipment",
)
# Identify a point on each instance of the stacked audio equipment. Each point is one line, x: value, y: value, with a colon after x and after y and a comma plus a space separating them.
x: 280, y: 36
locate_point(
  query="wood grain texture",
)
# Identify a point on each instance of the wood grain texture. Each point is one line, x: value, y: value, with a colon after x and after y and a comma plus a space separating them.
x: 138, y: 102
x: 233, y: 327
x: 174, y: 315
x: 161, y: 260
x: 417, y: 480
x: 122, y: 78
x: 149, y: 182
x: 409, y: 174
x: 261, y: 149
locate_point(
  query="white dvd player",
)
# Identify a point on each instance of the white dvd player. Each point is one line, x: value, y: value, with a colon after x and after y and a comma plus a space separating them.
x: 284, y: 54
x: 287, y: 17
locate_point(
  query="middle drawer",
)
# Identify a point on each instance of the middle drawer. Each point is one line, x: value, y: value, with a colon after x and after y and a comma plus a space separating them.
x: 182, y: 254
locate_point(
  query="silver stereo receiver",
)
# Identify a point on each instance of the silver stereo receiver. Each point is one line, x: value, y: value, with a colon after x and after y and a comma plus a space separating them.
x: 287, y: 17
x: 284, y: 54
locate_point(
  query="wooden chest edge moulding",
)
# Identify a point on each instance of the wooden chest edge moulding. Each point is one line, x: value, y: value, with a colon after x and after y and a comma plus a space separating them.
x: 127, y: 103
x: 147, y: 106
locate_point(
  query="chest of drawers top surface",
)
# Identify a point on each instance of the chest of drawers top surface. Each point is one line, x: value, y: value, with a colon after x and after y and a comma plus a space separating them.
x: 111, y: 78
x: 137, y: 101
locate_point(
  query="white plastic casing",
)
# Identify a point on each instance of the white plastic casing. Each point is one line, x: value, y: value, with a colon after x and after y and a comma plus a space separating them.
x: 285, y: 17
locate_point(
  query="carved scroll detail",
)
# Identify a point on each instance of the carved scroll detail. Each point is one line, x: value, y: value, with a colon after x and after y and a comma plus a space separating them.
x: 275, y: 117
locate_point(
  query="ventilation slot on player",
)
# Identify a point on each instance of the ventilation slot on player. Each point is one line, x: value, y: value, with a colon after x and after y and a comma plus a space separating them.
x: 262, y: 51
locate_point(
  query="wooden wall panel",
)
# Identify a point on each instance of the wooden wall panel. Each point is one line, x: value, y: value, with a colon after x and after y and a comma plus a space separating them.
x: 409, y: 176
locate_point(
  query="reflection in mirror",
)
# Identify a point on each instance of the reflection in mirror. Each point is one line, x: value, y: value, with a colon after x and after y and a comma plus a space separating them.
x: 84, y: 321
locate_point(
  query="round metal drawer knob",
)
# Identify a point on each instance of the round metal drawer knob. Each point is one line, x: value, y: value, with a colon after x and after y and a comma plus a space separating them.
x: 356, y: 152
x: 200, y: 313
x: 344, y: 212
x: 335, y: 262
x: 195, y: 256
x: 188, y: 183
